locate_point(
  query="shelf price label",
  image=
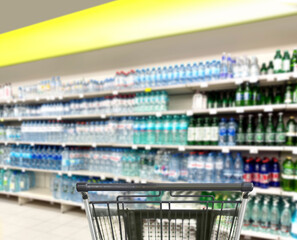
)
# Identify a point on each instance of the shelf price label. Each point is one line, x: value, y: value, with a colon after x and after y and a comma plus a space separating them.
x: 115, y: 93
x: 103, y: 177
x: 60, y: 97
x: 254, y: 150
x: 270, y: 78
x: 268, y: 109
x: 134, y: 147
x: 93, y: 145
x: 282, y: 77
x: 294, y: 151
x: 23, y: 170
x: 204, y: 85
x: 239, y: 81
x: 254, y: 79
x: 103, y: 116
x: 19, y: 119
x: 60, y: 173
x: 17, y: 143
x: 225, y: 150
x: 81, y: 95
x: 32, y: 144
x: 63, y: 144
x: 189, y: 113
x: 136, y: 180
x: 240, y: 110
x: 148, y: 147
x: 148, y: 90
x: 181, y: 148
x: 59, y: 118
x: 37, y: 99
x: 5, y: 143
x: 158, y: 114
x: 69, y: 174
x: 213, y: 111
x: 2, y: 120
x: 128, y: 180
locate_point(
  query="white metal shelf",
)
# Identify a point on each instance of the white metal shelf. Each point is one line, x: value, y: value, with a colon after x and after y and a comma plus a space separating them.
x: 171, y: 89
x: 262, y: 235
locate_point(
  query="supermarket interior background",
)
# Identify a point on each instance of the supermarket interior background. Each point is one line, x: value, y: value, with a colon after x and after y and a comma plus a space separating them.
x: 147, y: 92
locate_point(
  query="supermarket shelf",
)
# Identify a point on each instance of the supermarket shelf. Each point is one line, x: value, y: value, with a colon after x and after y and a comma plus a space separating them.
x: 171, y: 89
x: 190, y: 112
x: 224, y: 149
x: 274, y: 191
x: 261, y: 235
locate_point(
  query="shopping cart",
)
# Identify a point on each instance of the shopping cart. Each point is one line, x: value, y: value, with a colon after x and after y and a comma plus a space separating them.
x: 165, y: 211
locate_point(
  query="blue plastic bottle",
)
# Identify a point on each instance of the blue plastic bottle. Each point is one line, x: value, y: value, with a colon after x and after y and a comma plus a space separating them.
x: 222, y: 132
x: 231, y: 132
x: 248, y: 170
x: 201, y: 72
x: 219, y: 168
x: 238, y: 168
x: 275, y: 173
x: 228, y: 168
x: 174, y: 168
x: 264, y: 173
x: 189, y: 73
x: 210, y: 168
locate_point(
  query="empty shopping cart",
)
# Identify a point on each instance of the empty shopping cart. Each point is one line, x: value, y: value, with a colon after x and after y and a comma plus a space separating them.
x: 166, y: 211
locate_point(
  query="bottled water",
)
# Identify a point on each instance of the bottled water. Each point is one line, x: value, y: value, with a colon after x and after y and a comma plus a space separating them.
x: 16, y: 181
x: 238, y: 168
x: 183, y: 130
x: 219, y: 168
x: 210, y: 168
x: 189, y: 73
x: 223, y: 132
x: 228, y: 168
x: 174, y: 170
x: 224, y: 67
x: 232, y: 132
x: 208, y: 72
x: 201, y: 72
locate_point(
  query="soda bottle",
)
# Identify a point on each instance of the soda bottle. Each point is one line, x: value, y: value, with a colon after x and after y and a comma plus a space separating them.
x: 240, y: 137
x: 275, y: 173
x: 199, y: 135
x: 259, y: 132
x: 288, y: 174
x: 294, y: 61
x: 270, y: 133
x: 207, y: 131
x: 286, y: 64
x: 247, y: 95
x: 264, y: 173
x: 239, y: 96
x: 256, y: 173
x: 223, y: 132
x: 249, y: 137
x: 277, y: 62
x: 191, y: 132
x: 270, y: 68
x: 280, y: 136
x: 288, y: 95
x: 248, y: 170
x: 214, y: 132
x: 290, y: 133
x: 263, y: 70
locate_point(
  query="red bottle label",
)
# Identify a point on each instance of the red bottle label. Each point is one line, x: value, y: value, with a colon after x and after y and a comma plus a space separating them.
x: 264, y: 178
x: 275, y: 177
x: 256, y: 177
x: 247, y: 177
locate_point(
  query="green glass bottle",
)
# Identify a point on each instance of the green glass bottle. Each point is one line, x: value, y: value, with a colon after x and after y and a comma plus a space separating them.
x: 294, y: 61
x: 239, y: 96
x: 240, y: 140
x: 294, y: 94
x: 199, y: 135
x: 259, y: 131
x: 290, y: 133
x: 191, y: 132
x: 249, y: 137
x: 214, y: 132
x: 210, y: 100
x: 206, y: 140
x: 286, y: 64
x: 288, y: 173
x: 288, y: 94
x: 270, y: 133
x: 278, y: 99
x: 270, y: 68
x: 224, y: 102
x: 216, y: 100
x: 263, y: 70
x: 280, y: 136
x: 269, y: 96
x: 247, y: 95
x: 277, y: 62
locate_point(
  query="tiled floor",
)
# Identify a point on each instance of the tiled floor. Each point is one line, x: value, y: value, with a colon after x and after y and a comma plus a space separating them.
x: 40, y: 221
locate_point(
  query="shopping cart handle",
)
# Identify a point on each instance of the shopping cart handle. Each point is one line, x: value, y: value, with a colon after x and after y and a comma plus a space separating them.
x: 239, y: 187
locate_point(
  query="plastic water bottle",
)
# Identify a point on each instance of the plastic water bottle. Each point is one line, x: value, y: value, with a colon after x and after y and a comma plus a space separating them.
x: 176, y: 75
x: 151, y: 130
x: 182, y: 73
x: 167, y: 130
x: 189, y: 73
x: 210, y: 168
x: 174, y: 170
x: 195, y: 72
x: 238, y: 168
x: 224, y: 67
x: 232, y: 126
x: 200, y: 166
x: 207, y: 71
x: 183, y: 130
x: 223, y: 132
x: 201, y: 72
x: 228, y: 168
x: 219, y: 168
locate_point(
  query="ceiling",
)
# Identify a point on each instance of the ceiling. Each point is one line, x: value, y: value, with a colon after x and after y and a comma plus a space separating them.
x: 16, y: 14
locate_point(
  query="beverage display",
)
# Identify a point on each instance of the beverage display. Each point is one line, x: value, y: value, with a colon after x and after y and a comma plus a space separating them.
x: 288, y: 174
x: 16, y: 181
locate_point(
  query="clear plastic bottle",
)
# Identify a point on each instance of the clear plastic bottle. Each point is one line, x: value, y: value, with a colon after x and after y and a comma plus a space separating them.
x: 210, y: 168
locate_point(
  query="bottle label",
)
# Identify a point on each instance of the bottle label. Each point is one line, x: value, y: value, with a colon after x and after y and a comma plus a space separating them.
x: 12, y: 186
x: 214, y: 134
x: 264, y: 178
x: 191, y: 134
x: 259, y: 138
x: 275, y: 177
x: 209, y: 166
x: 274, y: 226
x: 207, y: 132
x: 239, y: 96
x: 269, y: 137
x: 247, y: 177
x: 223, y: 132
x: 219, y: 165
x: 285, y: 229
x: 280, y: 137
x: 286, y: 65
x: 231, y: 132
x: 277, y: 64
x: 249, y: 137
x: 199, y: 136
x: 246, y: 96
x: 288, y: 97
x: 240, y: 138
x: 172, y: 174
x: 288, y: 171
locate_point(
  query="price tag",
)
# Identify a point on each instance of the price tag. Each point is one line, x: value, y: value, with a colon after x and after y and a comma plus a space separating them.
x: 143, y: 181
x: 60, y: 97
x: 181, y: 148
x: 213, y: 111
x: 23, y: 100
x: 94, y: 145
x: 148, y: 147
x: 69, y: 174
x: 158, y: 114
x: 52, y: 97
x: 239, y: 110
x: 268, y: 109
x: 82, y: 207
x: 103, y: 116
x: 5, y: 143
x: 189, y: 113
x: 225, y: 150
x: 15, y: 101
x: 20, y: 119
x: 23, y: 170
x: 204, y: 85
x: 136, y: 180
x: 239, y: 81
x: 32, y: 144
x: 148, y: 90
x: 63, y: 144
x: 37, y: 99
x: 47, y: 98
x: 17, y: 143
x: 81, y: 95
x: 2, y: 120
x: 128, y: 180
x: 59, y: 118
x: 5, y: 167
x: 294, y: 151
x: 254, y: 79
x: 115, y: 93
x: 134, y: 147
x: 102, y: 177
x: 282, y: 77
x: 254, y: 150
x: 295, y: 75
x: 270, y: 78
x: 8, y: 101
x: 60, y: 173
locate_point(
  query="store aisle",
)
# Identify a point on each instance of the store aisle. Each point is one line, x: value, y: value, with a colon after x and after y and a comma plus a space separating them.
x: 40, y: 221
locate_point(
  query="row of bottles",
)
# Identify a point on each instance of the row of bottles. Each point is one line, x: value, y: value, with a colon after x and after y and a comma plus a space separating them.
x: 289, y: 175
x: 16, y: 181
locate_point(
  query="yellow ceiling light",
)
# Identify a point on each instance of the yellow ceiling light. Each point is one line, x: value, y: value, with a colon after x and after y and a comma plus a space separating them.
x: 126, y: 21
